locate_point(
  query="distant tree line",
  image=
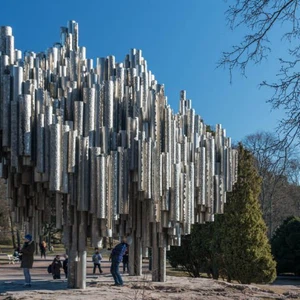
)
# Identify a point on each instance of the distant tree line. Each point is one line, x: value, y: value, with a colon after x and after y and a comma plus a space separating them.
x: 11, y: 234
x: 6, y: 228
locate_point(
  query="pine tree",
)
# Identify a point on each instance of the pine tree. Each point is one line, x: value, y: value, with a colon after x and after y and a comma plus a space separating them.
x: 244, y: 244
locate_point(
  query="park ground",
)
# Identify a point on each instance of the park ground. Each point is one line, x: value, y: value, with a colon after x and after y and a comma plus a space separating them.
x: 101, y: 287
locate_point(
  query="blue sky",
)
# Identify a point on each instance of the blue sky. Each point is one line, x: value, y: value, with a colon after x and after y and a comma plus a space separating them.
x: 181, y: 40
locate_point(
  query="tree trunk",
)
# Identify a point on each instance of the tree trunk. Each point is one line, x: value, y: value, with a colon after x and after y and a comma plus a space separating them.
x: 49, y: 241
x: 18, y: 239
x: 12, y: 232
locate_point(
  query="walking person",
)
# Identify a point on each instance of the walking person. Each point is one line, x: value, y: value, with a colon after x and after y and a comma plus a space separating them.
x: 65, y: 265
x: 27, y: 253
x: 116, y: 257
x: 125, y: 262
x: 56, y: 266
x: 43, y: 249
x: 97, y: 257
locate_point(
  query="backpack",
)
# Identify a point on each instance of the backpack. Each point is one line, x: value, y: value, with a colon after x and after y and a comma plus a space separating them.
x: 49, y: 269
x: 97, y: 258
x: 94, y: 258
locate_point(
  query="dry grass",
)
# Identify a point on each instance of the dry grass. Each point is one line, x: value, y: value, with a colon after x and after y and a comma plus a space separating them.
x: 176, y: 272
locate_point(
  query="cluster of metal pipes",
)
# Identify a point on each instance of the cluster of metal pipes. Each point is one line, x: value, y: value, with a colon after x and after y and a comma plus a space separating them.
x: 96, y: 145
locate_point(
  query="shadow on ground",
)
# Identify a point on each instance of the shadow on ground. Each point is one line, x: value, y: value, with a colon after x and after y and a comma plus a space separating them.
x: 18, y: 285
x: 287, y: 280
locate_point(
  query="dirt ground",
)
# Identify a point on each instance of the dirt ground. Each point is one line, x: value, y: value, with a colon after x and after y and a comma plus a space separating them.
x: 44, y: 287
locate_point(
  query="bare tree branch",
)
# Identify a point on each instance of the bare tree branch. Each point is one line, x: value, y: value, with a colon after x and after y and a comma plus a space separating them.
x: 260, y: 18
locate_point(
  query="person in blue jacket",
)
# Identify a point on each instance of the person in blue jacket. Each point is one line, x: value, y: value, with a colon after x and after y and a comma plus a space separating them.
x: 116, y: 257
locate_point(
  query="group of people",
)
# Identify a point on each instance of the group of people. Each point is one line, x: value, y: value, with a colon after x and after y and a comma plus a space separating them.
x: 26, y: 253
x: 119, y: 254
x: 57, y: 265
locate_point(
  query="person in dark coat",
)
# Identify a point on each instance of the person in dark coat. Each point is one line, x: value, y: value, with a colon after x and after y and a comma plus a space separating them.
x: 56, y: 266
x: 65, y: 265
x: 116, y: 257
x: 125, y: 261
x: 27, y: 253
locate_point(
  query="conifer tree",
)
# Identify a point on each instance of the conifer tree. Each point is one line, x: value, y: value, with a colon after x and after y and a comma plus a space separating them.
x: 245, y: 247
x: 286, y: 246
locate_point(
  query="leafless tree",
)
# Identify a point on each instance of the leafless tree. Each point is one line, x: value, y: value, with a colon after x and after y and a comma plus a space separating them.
x: 6, y: 226
x: 279, y: 168
x: 260, y: 18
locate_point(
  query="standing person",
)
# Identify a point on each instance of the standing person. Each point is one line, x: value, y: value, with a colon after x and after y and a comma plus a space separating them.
x: 125, y: 261
x: 116, y: 257
x: 65, y: 265
x: 43, y: 249
x: 97, y: 257
x: 56, y: 266
x: 27, y: 253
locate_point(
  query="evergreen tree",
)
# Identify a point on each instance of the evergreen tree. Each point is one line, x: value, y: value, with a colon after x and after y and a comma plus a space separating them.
x: 199, y: 252
x: 244, y: 245
x: 186, y: 256
x: 286, y: 246
x: 205, y: 241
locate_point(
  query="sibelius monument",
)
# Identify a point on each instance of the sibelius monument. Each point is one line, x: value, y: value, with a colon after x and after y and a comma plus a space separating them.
x: 97, y: 146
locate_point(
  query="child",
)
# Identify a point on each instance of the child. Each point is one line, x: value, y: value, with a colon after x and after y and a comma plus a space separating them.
x: 56, y: 266
x: 125, y: 262
x: 97, y: 261
x: 16, y: 254
x: 65, y: 265
x: 43, y: 249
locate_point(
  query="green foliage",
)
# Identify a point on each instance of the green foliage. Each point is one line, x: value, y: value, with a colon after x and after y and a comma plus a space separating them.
x: 286, y: 246
x: 245, y: 248
x: 205, y: 243
x: 186, y: 257
x: 199, y: 251
x: 210, y: 129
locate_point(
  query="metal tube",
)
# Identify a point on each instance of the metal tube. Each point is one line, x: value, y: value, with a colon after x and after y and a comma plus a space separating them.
x: 55, y: 157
